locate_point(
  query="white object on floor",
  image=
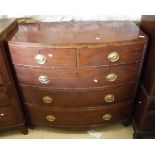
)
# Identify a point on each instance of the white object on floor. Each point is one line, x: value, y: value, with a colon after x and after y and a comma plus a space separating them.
x: 95, y: 133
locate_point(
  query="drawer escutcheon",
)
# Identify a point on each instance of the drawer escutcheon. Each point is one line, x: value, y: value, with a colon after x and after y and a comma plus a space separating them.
x: 113, y: 56
x: 43, y: 79
x: 50, y: 118
x: 107, y: 117
x: 111, y: 77
x: 109, y: 98
x: 40, y: 59
x: 47, y: 99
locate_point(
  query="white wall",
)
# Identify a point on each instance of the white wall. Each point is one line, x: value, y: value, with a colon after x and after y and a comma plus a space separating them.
x: 78, y: 18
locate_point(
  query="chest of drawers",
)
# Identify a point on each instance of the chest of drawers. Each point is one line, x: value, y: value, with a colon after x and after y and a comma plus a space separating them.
x: 11, y: 114
x: 144, y: 120
x: 78, y: 75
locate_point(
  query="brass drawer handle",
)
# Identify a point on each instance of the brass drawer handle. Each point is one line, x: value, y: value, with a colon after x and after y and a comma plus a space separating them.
x: 43, y: 79
x: 50, y: 118
x: 107, y: 117
x: 47, y: 99
x: 113, y: 56
x: 40, y: 59
x: 111, y: 77
x: 109, y: 98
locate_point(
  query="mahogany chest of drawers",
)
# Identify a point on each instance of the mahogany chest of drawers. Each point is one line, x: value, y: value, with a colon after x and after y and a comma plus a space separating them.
x: 78, y: 75
x: 11, y: 115
x: 144, y: 120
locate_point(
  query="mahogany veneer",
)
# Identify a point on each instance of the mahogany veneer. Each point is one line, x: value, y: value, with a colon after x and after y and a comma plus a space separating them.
x: 78, y: 75
x: 11, y: 114
x: 144, y: 120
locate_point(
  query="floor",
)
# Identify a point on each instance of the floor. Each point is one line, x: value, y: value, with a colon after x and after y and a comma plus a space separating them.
x: 117, y: 131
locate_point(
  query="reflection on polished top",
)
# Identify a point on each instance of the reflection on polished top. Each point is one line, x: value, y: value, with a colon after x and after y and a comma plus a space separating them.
x: 56, y: 33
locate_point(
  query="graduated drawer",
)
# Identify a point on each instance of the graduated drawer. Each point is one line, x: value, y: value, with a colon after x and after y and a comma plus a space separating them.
x: 43, y: 57
x: 3, y: 96
x: 82, y: 78
x: 111, y: 55
x: 78, y: 98
x: 77, y: 117
x: 1, y: 80
x: 6, y: 116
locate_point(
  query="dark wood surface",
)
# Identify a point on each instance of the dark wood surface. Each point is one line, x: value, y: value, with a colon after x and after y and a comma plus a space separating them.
x: 145, y: 110
x: 56, y: 58
x: 77, y: 64
x: 78, y: 98
x: 7, y: 116
x: 78, y: 78
x: 148, y: 76
x: 67, y: 58
x: 11, y: 114
x: 98, y: 56
x: 3, y: 96
x: 77, y: 117
x: 1, y: 80
x: 77, y: 33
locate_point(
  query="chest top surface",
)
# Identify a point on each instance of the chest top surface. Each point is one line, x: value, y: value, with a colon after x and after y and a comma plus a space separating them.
x: 95, y: 32
x: 4, y: 24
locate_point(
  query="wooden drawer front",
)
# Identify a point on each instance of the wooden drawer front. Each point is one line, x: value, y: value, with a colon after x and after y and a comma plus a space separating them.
x: 1, y: 81
x: 71, y: 117
x: 78, y: 98
x: 83, y: 78
x: 6, y: 116
x: 99, y: 56
x: 98, y: 77
x: 55, y: 58
x: 30, y: 76
x: 3, y: 97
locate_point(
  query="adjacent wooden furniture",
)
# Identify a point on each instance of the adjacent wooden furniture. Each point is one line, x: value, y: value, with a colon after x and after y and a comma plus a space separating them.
x: 78, y: 75
x: 11, y: 115
x: 144, y: 120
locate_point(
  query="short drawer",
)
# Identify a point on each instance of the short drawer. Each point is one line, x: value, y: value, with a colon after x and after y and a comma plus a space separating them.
x: 82, y: 78
x: 43, y: 57
x: 1, y: 80
x: 6, y: 116
x: 3, y: 96
x: 76, y: 118
x: 111, y: 55
x: 78, y: 98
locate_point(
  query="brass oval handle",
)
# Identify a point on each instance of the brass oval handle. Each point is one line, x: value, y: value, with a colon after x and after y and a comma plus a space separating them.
x: 43, y: 79
x: 47, y: 99
x: 109, y: 98
x: 50, y: 118
x: 40, y: 59
x: 107, y: 117
x: 111, y: 77
x: 113, y: 56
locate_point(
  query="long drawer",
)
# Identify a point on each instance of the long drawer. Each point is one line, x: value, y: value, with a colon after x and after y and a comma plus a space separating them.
x: 111, y: 55
x: 82, y: 78
x: 78, y: 98
x: 3, y: 97
x: 43, y: 57
x: 7, y: 116
x: 77, y: 118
